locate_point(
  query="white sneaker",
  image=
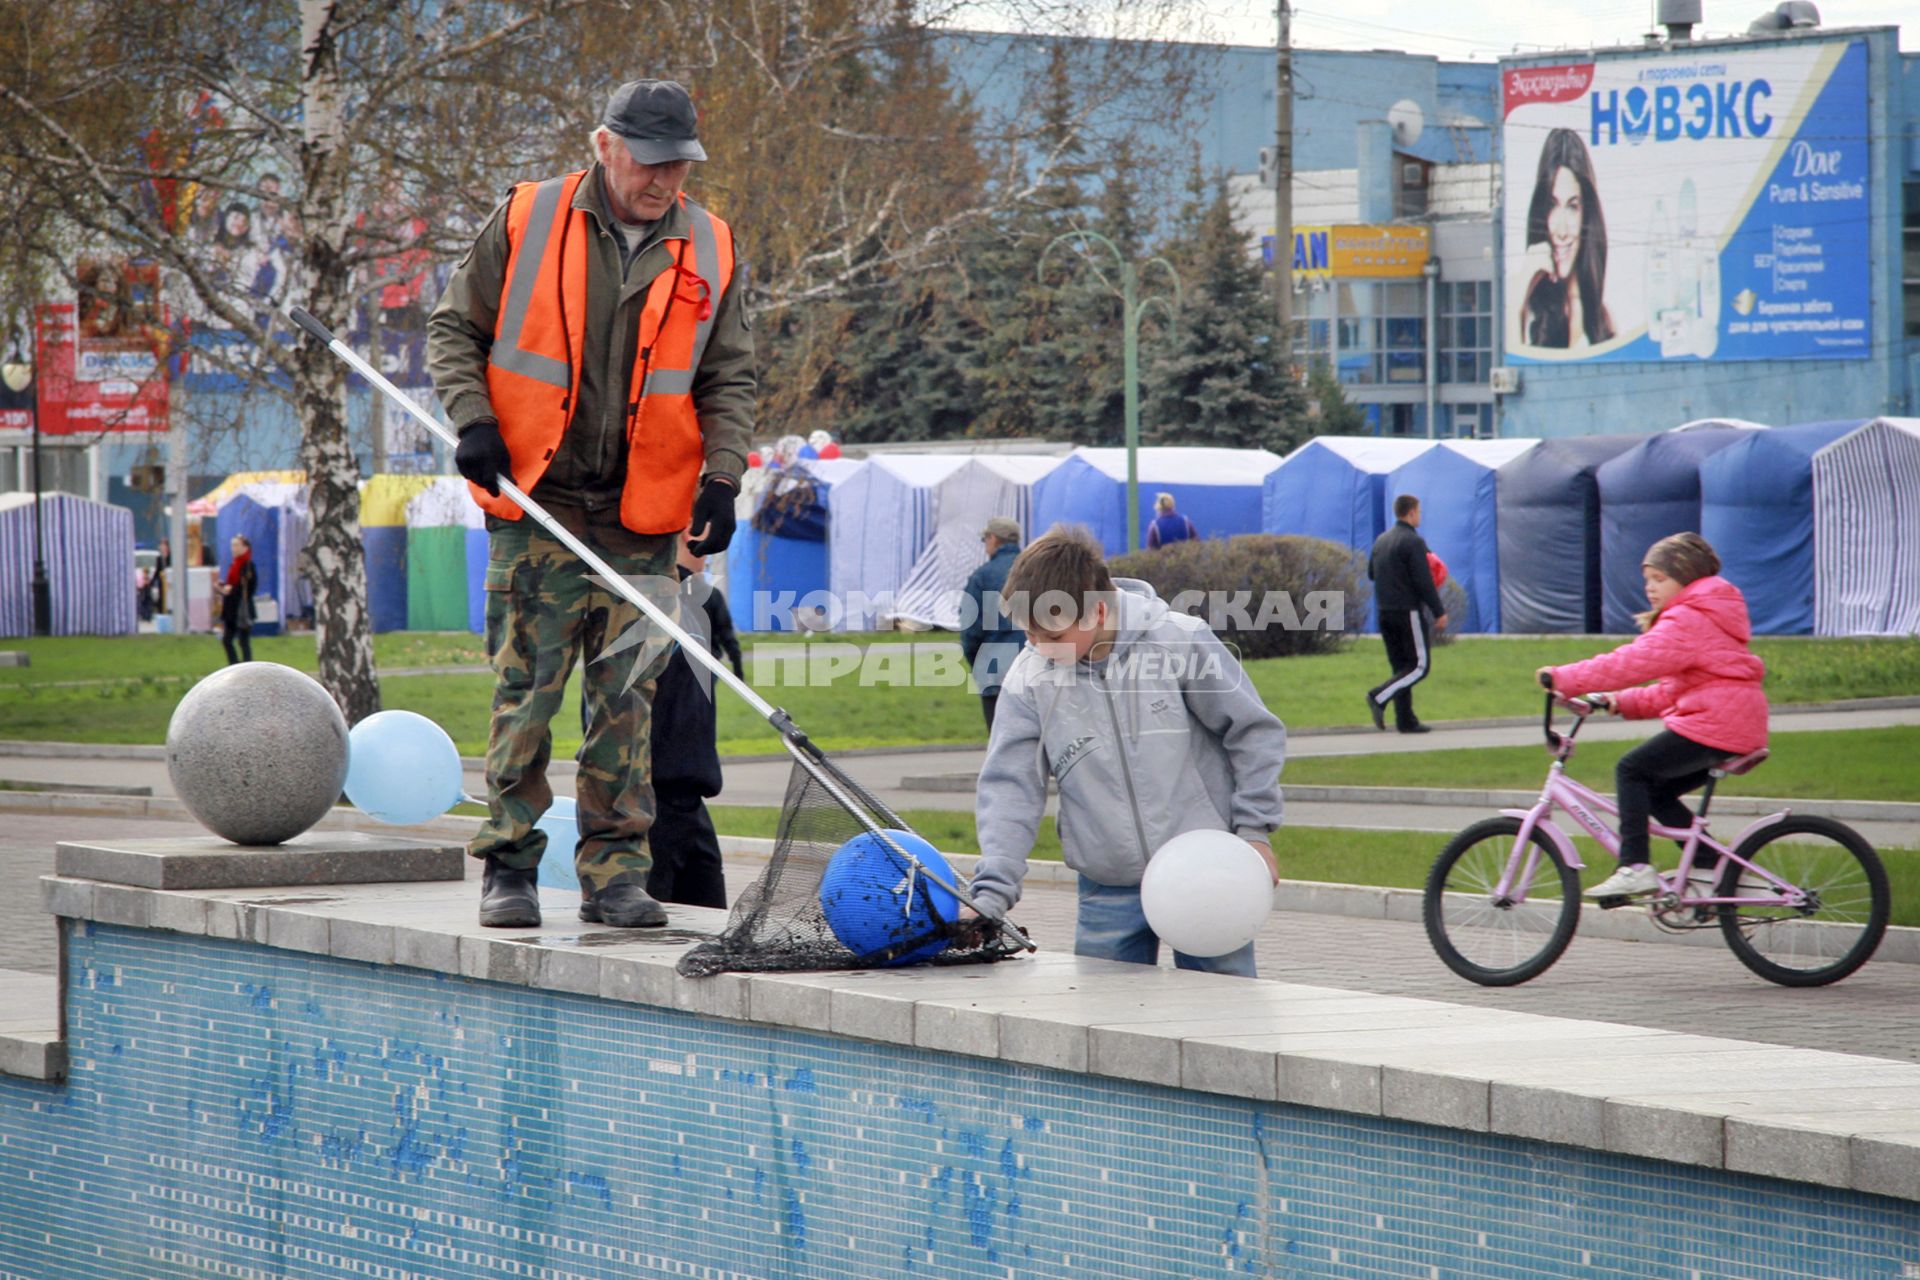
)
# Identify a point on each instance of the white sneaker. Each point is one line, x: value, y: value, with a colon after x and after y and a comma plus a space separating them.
x: 1628, y: 881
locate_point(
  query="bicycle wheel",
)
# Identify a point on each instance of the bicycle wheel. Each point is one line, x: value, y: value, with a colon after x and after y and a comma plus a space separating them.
x: 1499, y: 942
x: 1843, y: 920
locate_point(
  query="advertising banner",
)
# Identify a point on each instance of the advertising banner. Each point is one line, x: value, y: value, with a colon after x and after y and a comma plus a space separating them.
x: 1689, y: 205
x: 92, y: 374
x: 1359, y: 253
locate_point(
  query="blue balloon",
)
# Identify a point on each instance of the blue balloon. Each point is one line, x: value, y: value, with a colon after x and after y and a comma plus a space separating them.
x: 874, y: 899
x: 402, y: 768
x: 561, y: 822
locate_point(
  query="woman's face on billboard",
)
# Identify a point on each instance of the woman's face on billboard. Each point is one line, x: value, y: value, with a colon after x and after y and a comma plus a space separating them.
x: 1563, y: 221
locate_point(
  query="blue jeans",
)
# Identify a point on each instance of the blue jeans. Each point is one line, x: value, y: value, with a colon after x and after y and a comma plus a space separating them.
x: 1113, y: 927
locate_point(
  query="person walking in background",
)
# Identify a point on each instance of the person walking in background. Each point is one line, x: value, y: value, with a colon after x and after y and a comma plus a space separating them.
x: 162, y: 568
x: 1402, y: 588
x: 619, y: 394
x: 686, y: 757
x: 236, y: 602
x: 1168, y: 526
x: 988, y: 641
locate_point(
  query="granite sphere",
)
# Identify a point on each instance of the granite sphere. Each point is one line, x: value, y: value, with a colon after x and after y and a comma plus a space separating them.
x: 257, y: 752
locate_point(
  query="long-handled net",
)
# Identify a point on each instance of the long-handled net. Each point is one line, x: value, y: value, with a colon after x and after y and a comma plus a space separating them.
x: 850, y: 884
x: 830, y: 899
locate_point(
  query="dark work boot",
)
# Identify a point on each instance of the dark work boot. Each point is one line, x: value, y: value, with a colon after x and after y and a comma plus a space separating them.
x: 624, y: 906
x: 509, y: 898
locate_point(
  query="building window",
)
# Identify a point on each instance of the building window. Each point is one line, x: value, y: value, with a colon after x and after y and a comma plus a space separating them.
x: 1382, y: 332
x: 1466, y: 331
x: 1910, y: 258
x: 1467, y: 421
x: 1412, y: 181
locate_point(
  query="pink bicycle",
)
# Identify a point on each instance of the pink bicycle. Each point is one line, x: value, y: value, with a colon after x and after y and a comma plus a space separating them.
x: 1800, y: 900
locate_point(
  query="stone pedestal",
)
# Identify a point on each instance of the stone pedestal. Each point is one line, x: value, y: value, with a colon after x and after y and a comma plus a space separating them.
x: 208, y: 862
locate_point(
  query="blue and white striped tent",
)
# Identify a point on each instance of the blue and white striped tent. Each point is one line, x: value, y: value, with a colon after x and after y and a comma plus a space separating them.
x: 883, y: 516
x: 992, y: 484
x: 89, y: 557
x: 1866, y: 531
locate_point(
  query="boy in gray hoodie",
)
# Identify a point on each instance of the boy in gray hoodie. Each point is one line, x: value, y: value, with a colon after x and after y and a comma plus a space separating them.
x: 1150, y: 728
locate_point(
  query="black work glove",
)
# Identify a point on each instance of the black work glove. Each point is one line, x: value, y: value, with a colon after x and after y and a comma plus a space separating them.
x: 713, y: 512
x: 482, y: 456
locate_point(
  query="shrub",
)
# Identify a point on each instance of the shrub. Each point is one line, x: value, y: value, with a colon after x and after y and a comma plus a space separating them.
x: 1227, y: 583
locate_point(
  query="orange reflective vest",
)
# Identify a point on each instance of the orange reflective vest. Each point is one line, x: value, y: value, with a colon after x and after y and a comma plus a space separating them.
x: 533, y: 373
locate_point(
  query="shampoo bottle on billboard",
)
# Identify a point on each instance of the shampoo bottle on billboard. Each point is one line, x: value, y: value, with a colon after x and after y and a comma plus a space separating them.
x: 1705, y: 256
x: 1659, y: 275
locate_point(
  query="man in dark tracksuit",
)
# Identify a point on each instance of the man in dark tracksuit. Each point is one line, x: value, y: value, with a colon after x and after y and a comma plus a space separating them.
x: 988, y: 640
x: 686, y: 764
x: 1402, y: 584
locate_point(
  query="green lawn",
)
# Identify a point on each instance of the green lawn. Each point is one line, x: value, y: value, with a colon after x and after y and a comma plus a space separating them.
x: 1849, y: 764
x: 881, y: 701
x: 156, y: 657
x: 1395, y: 859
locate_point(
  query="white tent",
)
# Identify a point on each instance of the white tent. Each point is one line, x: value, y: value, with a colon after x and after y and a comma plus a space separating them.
x: 1866, y: 531
x: 906, y: 519
x: 987, y: 486
x: 89, y: 560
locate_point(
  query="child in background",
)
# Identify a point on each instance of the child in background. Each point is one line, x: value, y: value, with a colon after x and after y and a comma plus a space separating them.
x: 1148, y: 724
x: 686, y: 760
x: 1708, y: 694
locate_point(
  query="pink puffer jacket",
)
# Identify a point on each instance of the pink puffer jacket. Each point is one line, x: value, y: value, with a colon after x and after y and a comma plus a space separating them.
x: 1709, y: 681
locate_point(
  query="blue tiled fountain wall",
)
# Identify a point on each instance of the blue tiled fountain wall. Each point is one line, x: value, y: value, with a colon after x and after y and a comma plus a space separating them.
x: 241, y: 1112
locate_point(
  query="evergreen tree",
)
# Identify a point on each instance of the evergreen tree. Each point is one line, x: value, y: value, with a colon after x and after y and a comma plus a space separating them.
x: 1215, y: 381
x: 1332, y: 413
x: 1041, y: 353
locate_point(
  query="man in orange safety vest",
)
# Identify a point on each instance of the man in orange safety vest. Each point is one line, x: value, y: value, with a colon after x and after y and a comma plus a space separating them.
x: 594, y: 348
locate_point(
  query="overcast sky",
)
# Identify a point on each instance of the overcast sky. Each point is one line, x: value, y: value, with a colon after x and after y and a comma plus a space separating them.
x: 1485, y: 31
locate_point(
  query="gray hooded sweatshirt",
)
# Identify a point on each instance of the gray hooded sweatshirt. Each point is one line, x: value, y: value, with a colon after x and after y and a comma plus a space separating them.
x: 1162, y: 736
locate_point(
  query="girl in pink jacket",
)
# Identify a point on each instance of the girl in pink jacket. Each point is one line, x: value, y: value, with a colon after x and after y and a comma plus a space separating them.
x: 1707, y: 691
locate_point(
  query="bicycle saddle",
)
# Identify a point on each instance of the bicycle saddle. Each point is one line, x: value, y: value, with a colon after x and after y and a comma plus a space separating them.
x: 1741, y: 764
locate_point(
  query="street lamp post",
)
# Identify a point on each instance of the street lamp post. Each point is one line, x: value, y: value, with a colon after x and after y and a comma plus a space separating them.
x: 1132, y: 309
x: 17, y: 372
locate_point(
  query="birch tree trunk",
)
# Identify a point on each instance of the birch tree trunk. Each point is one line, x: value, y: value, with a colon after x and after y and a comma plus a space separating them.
x: 333, y: 559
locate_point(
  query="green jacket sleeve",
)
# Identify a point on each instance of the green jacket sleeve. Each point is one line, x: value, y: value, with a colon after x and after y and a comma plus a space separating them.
x: 725, y: 384
x: 460, y: 330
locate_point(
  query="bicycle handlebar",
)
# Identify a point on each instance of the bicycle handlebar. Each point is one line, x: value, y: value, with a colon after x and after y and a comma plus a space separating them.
x: 1581, y: 709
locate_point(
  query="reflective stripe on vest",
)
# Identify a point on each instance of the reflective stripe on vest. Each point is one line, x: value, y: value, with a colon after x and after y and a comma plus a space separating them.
x: 706, y: 252
x: 527, y: 259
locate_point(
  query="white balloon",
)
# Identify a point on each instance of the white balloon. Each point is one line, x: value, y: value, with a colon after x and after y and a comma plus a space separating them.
x: 1206, y: 893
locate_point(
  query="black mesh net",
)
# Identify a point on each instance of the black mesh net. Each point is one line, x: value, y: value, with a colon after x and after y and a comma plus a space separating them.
x: 835, y: 896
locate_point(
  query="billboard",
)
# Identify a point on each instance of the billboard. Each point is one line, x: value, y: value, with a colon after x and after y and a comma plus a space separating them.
x: 1359, y: 253
x: 96, y: 367
x: 1688, y: 205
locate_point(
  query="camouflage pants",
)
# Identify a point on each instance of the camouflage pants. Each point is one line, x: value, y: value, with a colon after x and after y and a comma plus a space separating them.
x: 544, y: 610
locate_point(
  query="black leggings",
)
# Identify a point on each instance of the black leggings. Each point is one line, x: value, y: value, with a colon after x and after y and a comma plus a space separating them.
x: 1650, y: 779
x: 231, y: 631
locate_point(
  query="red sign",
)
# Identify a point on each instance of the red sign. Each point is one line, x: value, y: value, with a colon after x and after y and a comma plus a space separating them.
x: 1522, y: 85
x: 100, y: 382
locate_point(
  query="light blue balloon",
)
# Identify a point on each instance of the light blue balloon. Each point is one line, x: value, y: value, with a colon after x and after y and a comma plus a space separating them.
x: 402, y: 768
x: 561, y: 822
